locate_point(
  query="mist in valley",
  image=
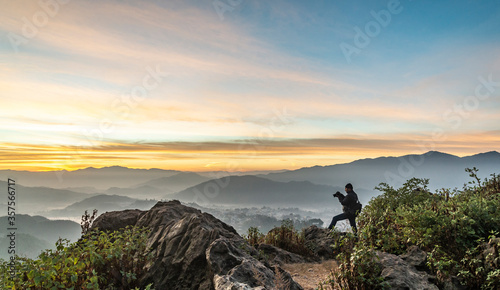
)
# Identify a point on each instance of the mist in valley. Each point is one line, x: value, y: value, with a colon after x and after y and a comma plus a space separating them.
x: 262, y: 200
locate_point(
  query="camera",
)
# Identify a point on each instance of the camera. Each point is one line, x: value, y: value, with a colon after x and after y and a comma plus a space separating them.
x: 337, y: 194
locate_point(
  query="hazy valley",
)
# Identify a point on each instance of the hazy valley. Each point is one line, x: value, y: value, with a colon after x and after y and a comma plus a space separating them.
x: 241, y: 200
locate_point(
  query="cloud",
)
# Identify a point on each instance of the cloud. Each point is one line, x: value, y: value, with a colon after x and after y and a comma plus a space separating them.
x: 248, y: 154
x: 226, y: 79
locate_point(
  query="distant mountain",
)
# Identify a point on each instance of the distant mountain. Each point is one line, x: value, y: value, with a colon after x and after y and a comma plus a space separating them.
x: 176, y: 183
x: 102, y: 203
x: 45, y: 229
x: 158, y: 187
x: 32, y: 199
x: 443, y: 170
x: 36, y: 233
x: 100, y: 178
x: 253, y: 190
x: 26, y: 246
x: 84, y: 189
x: 144, y: 191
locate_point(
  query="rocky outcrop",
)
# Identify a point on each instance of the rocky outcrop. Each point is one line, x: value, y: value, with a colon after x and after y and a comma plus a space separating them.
x: 490, y: 254
x: 416, y: 257
x: 194, y: 250
x: 400, y: 272
x: 320, y: 241
x: 277, y: 256
x: 114, y: 220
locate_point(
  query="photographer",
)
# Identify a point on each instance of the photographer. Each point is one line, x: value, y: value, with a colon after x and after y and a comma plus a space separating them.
x: 350, y: 207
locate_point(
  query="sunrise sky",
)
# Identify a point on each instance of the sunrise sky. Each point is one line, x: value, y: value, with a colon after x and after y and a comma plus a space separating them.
x: 244, y: 85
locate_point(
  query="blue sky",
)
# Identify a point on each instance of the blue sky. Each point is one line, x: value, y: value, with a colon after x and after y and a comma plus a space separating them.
x: 199, y: 85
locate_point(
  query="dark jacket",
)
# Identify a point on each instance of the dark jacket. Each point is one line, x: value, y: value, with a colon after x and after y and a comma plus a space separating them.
x: 350, y: 203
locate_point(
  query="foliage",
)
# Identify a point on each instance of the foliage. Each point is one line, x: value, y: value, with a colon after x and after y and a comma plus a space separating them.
x: 453, y: 226
x: 99, y: 260
x: 285, y: 237
x: 358, y: 267
x: 254, y: 237
x: 87, y: 221
x: 480, y: 266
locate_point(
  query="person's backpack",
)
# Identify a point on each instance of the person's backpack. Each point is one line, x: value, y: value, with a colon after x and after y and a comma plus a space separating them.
x: 355, y: 209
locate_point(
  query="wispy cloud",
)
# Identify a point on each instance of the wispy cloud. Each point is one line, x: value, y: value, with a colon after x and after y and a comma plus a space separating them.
x: 224, y: 81
x: 247, y: 154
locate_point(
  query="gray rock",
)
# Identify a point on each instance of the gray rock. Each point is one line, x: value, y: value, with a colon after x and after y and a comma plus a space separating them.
x: 235, y: 265
x: 277, y: 256
x: 416, y: 257
x: 453, y: 283
x: 320, y: 241
x: 490, y: 254
x: 194, y: 250
x: 115, y: 220
x: 399, y: 274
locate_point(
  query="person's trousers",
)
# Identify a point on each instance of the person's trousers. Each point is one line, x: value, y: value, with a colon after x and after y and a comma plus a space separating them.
x: 344, y: 216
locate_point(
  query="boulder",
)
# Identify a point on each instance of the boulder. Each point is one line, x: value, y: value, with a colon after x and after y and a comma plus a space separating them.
x: 111, y: 221
x: 320, y: 241
x: 277, y: 256
x: 490, y: 254
x: 195, y: 250
x: 416, y: 257
x: 400, y: 274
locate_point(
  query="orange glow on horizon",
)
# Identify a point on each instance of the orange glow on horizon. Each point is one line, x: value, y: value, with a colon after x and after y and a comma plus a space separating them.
x: 213, y: 156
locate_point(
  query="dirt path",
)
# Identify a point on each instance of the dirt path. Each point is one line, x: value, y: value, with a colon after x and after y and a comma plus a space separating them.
x: 309, y: 275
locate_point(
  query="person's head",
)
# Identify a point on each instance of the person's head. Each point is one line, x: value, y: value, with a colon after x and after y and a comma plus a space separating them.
x: 348, y: 187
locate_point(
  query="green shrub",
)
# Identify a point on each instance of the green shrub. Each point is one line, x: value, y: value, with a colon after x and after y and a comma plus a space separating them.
x: 284, y: 237
x: 451, y: 225
x: 99, y: 260
x: 254, y: 236
x: 480, y: 266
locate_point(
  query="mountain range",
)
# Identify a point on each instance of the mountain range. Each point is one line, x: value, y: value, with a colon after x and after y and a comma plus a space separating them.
x: 251, y: 190
x: 102, y: 203
x: 305, y: 187
x: 36, y: 233
x: 33, y: 199
x: 443, y: 170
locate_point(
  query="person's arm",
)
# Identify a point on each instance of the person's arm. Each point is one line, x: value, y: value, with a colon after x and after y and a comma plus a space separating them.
x: 347, y: 200
x: 340, y: 196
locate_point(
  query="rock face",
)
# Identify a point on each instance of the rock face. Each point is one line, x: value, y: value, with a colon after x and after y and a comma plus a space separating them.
x: 320, y: 241
x: 194, y: 250
x: 400, y: 272
x: 277, y: 256
x: 415, y: 257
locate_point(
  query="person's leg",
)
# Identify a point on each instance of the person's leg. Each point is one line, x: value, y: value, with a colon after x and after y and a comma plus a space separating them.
x: 335, y: 219
x: 352, y: 221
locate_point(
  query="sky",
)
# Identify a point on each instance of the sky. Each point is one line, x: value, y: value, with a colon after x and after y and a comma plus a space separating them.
x: 241, y: 85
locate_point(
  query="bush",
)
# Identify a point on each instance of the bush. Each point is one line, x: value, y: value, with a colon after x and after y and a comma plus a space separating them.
x: 358, y: 267
x: 480, y: 266
x: 451, y: 225
x: 284, y: 237
x: 98, y: 260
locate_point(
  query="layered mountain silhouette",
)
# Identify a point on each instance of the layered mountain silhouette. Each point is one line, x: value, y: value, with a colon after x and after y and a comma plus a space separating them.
x: 443, y: 170
x: 176, y: 183
x: 36, y: 233
x: 305, y: 187
x: 33, y: 199
x: 100, y: 178
x: 252, y: 190
x: 102, y: 203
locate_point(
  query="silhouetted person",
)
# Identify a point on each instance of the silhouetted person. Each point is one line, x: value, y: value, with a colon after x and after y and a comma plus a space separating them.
x: 350, y: 207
